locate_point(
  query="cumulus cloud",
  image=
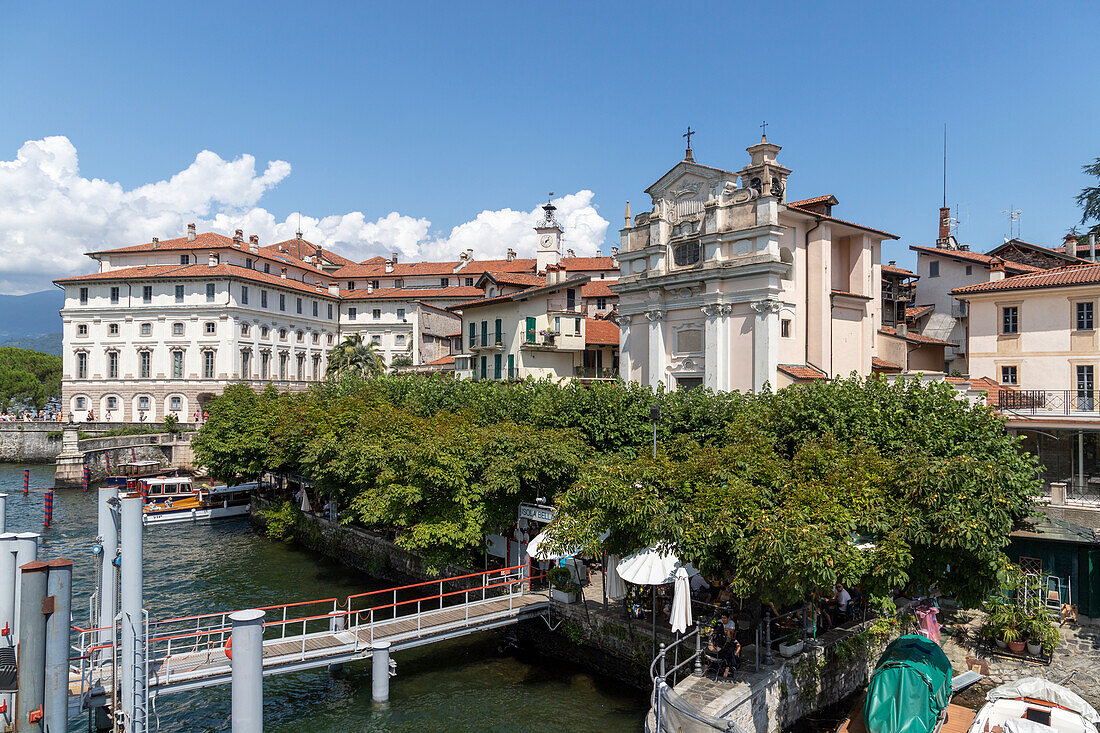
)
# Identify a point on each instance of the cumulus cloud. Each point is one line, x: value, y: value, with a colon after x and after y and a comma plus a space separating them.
x: 50, y: 215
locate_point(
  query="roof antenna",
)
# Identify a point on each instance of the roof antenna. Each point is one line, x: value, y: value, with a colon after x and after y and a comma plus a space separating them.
x: 945, y: 165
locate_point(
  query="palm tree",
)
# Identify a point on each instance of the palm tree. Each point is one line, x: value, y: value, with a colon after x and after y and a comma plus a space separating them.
x: 352, y: 356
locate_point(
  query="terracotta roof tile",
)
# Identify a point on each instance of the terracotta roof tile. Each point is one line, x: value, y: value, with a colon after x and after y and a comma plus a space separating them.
x: 1068, y: 276
x: 598, y: 332
x: 209, y: 241
x: 846, y: 294
x: 575, y: 264
x: 458, y: 291
x: 443, y: 360
x: 597, y: 289
x: 918, y: 311
x: 201, y: 271
x: 521, y: 279
x: 914, y: 337
x: 968, y: 256
x: 887, y: 235
x: 892, y: 270
x: 815, y: 200
x: 883, y: 365
x: 802, y: 371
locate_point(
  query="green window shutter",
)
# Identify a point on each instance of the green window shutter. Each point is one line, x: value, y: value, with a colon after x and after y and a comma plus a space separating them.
x: 496, y: 366
x: 511, y: 366
x: 484, y: 372
x: 484, y: 333
x: 530, y: 329
x: 473, y: 335
x: 500, y: 329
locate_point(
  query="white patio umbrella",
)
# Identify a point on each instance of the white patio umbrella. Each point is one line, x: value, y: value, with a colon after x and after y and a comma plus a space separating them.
x: 681, y: 602
x: 614, y: 586
x: 537, y: 549
x: 653, y: 567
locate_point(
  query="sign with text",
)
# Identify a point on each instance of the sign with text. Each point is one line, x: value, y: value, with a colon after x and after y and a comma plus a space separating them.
x: 537, y: 513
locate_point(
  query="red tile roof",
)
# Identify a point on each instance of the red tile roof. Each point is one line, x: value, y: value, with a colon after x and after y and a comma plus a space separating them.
x: 597, y: 289
x: 801, y: 371
x: 846, y: 294
x: 520, y: 279
x: 301, y: 248
x: 480, y: 302
x: 914, y: 337
x: 1069, y: 276
x: 577, y: 264
x: 968, y: 256
x: 883, y: 365
x: 827, y: 198
x: 918, y: 311
x: 458, y: 291
x: 892, y: 270
x: 210, y: 241
x: 600, y: 332
x: 887, y: 235
x: 376, y: 267
x: 443, y: 360
x: 149, y: 272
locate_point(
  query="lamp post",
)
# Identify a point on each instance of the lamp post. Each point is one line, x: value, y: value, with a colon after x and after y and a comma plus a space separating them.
x: 654, y: 417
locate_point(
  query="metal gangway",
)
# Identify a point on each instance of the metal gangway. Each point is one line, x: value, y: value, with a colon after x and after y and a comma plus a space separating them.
x: 193, y: 652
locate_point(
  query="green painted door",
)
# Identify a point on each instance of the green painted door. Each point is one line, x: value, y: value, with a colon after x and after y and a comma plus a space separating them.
x: 496, y: 366
x: 511, y: 366
x: 484, y: 372
x: 530, y: 329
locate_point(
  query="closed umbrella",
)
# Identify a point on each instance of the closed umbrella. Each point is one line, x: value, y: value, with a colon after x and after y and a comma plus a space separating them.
x: 613, y: 583
x: 681, y: 602
x: 653, y: 567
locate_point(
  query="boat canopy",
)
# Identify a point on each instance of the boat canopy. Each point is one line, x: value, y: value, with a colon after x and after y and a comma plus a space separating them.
x: 1038, y: 688
x: 910, y: 687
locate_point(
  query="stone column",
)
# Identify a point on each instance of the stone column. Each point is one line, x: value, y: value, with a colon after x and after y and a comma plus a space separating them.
x: 765, y: 343
x: 656, y: 318
x: 711, y: 347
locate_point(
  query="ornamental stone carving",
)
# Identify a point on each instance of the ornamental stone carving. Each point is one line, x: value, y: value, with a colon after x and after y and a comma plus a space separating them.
x: 655, y: 315
x: 766, y: 305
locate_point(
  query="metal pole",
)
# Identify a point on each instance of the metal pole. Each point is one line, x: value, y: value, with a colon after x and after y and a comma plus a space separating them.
x: 653, y: 619
x: 26, y: 550
x: 3, y: 513
x: 108, y: 582
x: 133, y: 668
x: 31, y: 650
x: 8, y: 578
x: 1081, y: 460
x: 380, y: 671
x: 654, y: 440
x: 59, y: 587
x: 247, y: 637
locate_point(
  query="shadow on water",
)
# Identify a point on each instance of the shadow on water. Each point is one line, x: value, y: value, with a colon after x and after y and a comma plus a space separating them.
x: 460, y: 685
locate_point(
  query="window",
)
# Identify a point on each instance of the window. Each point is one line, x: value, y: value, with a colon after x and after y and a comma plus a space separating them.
x: 246, y: 363
x: 185, y: 259
x: 444, y: 282
x: 351, y: 285
x: 785, y: 328
x: 248, y: 263
x: 114, y: 295
x: 1084, y: 316
x: 530, y: 337
x: 208, y: 364
x: 570, y: 299
x: 282, y: 334
x: 147, y: 329
x: 210, y: 328
x: 576, y: 326
x: 264, y: 331
x: 557, y: 324
x: 81, y: 365
x: 81, y: 403
x: 147, y: 294
x: 244, y: 329
x: 282, y: 366
x: 484, y: 368
x: 301, y: 336
x: 374, y: 284
x: 144, y: 359
x: 177, y: 364
x: 601, y: 304
x: 330, y: 311
x: 209, y: 292
x: 1010, y: 319
x: 316, y: 366
x: 112, y: 403
x: 376, y: 314
x: 175, y: 403
x: 112, y: 329
x: 112, y: 365
x: 934, y: 268
x: 498, y: 332
x: 179, y: 293
x: 376, y: 340
x: 473, y: 335
x: 84, y: 296
x: 263, y: 298
x: 685, y: 254
x: 399, y: 339
x: 401, y: 313
x: 282, y: 301
x: 484, y: 333
x: 177, y: 329
x: 1086, y: 397
x: 497, y: 365
x: 399, y: 283
x: 301, y: 374
x: 265, y: 365
x: 969, y: 269
x: 82, y: 329
x: 511, y: 366
x: 469, y: 282
x: 298, y: 306
x: 143, y: 403
x: 315, y: 309
x: 316, y: 338
x: 1008, y: 375
x: 244, y: 295
x: 352, y: 312
x: 328, y: 339
x: 267, y: 268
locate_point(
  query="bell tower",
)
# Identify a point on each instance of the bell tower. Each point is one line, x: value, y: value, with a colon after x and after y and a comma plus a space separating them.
x: 548, y: 249
x: 763, y: 174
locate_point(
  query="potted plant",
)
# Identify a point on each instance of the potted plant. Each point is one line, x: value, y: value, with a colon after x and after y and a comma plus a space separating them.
x: 1036, y: 629
x: 1050, y: 638
x: 1014, y: 639
x: 789, y: 650
x: 562, y: 586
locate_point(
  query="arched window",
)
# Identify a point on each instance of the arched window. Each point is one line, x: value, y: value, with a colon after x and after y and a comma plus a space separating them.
x: 685, y: 254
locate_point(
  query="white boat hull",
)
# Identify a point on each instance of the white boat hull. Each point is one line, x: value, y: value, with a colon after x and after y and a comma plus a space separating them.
x: 173, y: 516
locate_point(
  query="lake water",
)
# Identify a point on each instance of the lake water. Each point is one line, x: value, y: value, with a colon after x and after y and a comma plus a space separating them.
x: 462, y: 685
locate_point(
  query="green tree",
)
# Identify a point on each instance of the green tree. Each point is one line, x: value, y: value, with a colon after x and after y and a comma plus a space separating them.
x: 1089, y: 201
x: 246, y: 433
x: 28, y: 379
x: 355, y: 357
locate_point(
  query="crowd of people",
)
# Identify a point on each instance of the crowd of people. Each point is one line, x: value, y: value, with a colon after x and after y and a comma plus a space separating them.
x: 31, y: 416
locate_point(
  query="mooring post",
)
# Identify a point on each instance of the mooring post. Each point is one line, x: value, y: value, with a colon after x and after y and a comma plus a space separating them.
x: 3, y: 513
x: 380, y: 671
x: 247, y: 637
x: 8, y: 579
x: 132, y: 622
x: 31, y: 650
x: 59, y: 588
x: 26, y: 550
x: 108, y: 581
x: 26, y: 482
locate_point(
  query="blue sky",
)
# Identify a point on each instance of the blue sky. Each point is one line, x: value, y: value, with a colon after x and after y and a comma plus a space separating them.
x: 442, y: 111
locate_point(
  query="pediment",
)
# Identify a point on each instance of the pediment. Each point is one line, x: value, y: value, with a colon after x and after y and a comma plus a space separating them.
x: 681, y: 182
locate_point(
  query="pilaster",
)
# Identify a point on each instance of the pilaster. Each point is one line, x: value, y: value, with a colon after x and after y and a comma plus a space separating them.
x: 765, y: 343
x: 656, y: 318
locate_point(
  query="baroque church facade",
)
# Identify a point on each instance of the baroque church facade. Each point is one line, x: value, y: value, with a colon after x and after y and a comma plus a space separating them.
x: 726, y: 284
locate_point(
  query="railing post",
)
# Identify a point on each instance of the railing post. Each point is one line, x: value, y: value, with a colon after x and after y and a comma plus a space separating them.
x: 767, y: 637
x: 698, y: 652
x: 661, y: 656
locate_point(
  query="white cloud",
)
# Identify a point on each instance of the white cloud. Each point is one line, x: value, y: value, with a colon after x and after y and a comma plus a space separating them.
x: 50, y: 216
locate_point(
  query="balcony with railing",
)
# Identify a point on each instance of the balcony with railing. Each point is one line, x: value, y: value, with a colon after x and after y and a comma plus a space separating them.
x: 594, y: 373
x: 1050, y: 402
x: 490, y: 342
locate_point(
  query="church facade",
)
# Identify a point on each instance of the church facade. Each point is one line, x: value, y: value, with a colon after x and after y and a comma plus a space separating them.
x: 727, y: 285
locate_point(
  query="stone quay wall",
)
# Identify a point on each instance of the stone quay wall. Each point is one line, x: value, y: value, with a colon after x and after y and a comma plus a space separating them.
x: 40, y: 442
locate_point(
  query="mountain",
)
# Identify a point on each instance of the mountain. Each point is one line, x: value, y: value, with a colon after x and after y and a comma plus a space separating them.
x: 34, y: 314
x: 47, y: 344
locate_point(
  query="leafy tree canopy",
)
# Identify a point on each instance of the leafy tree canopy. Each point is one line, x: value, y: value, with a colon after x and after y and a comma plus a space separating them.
x: 28, y: 379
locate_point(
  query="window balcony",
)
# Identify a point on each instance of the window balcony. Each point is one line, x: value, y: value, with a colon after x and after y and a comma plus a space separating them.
x: 1073, y: 402
x: 492, y: 343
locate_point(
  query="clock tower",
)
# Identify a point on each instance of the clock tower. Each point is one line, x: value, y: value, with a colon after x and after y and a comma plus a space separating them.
x: 548, y: 248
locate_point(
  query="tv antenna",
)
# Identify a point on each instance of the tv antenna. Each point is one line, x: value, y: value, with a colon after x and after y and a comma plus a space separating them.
x: 1013, y: 221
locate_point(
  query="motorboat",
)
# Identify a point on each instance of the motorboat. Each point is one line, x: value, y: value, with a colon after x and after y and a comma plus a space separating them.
x: 134, y: 470
x: 164, y: 488
x: 206, y: 503
x: 1034, y: 705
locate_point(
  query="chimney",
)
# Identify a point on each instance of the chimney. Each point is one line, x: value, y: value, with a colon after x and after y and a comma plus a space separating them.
x: 253, y: 241
x: 570, y: 253
x: 996, y: 269
x: 510, y: 256
x: 902, y: 329
x: 945, y: 227
x: 282, y: 273
x: 1092, y: 247
x: 190, y: 232
x: 394, y: 258
x: 626, y: 216
x: 389, y: 265
x: 893, y: 263
x: 238, y: 238
x: 614, y: 252
x: 370, y: 287
x: 318, y: 255
x: 212, y: 260
x: 333, y: 289
x: 156, y: 242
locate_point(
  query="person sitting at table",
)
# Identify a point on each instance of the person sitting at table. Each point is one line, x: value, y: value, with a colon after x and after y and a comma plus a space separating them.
x: 729, y: 654
x: 699, y: 586
x: 729, y: 624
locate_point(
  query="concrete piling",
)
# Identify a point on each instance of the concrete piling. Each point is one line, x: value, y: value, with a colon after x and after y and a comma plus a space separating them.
x: 3, y: 513
x: 26, y: 550
x: 31, y: 649
x: 108, y: 584
x: 59, y: 588
x: 380, y: 672
x: 247, y: 637
x: 8, y: 578
x: 132, y: 663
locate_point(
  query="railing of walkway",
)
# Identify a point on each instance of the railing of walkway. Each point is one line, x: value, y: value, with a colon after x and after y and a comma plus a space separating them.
x: 192, y: 646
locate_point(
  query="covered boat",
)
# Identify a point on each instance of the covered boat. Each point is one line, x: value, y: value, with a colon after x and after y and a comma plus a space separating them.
x: 909, y: 689
x: 1034, y: 705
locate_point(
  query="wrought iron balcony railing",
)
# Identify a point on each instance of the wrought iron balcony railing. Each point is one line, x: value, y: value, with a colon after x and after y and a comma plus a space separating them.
x: 1060, y: 401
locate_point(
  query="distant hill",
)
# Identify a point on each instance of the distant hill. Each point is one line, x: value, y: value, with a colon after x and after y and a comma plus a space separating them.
x: 47, y: 344
x: 34, y: 314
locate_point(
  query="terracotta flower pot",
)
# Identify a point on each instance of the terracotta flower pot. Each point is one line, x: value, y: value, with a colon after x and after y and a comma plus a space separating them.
x: 1016, y: 647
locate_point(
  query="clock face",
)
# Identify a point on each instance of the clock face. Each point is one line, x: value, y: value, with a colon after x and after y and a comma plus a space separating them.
x: 546, y: 241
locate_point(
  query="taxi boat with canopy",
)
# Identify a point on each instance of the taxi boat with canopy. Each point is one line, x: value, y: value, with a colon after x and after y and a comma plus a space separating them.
x: 176, y: 499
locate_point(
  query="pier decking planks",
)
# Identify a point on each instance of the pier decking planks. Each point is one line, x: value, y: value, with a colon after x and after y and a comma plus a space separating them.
x: 958, y: 720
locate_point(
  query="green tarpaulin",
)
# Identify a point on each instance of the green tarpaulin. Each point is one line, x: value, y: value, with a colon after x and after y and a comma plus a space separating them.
x: 909, y: 689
